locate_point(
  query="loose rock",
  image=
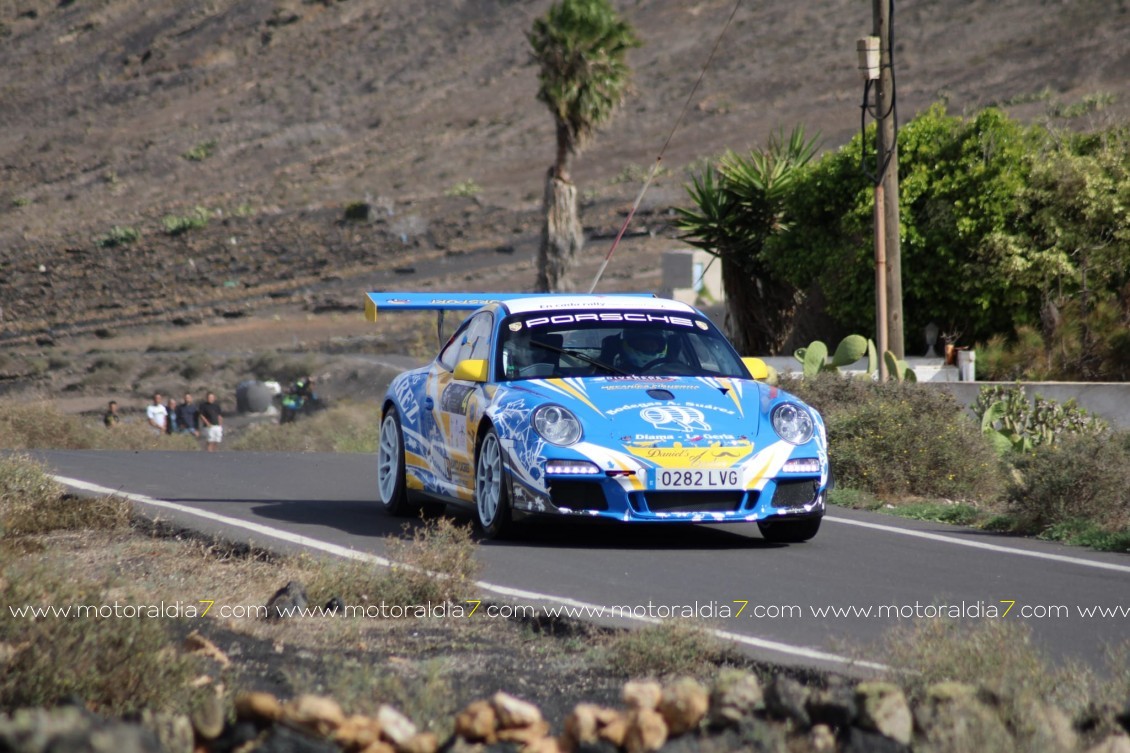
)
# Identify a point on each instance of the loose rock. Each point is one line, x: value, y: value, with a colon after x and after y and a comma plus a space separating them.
x: 883, y: 709
x: 683, y: 705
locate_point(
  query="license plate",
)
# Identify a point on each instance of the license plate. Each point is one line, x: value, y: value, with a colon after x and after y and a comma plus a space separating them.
x: 683, y: 478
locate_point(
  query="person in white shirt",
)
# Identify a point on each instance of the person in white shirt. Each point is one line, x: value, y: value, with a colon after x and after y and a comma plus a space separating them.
x: 157, y: 413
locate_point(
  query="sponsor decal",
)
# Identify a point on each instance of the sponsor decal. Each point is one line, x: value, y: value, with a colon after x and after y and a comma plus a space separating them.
x: 685, y: 419
x: 455, y: 397
x: 609, y: 316
x: 630, y: 406
x: 407, y: 399
x: 636, y: 378
x: 692, y: 457
x: 642, y: 384
x: 515, y: 326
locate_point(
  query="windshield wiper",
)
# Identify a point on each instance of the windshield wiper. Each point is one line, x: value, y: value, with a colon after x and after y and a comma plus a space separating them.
x: 582, y: 356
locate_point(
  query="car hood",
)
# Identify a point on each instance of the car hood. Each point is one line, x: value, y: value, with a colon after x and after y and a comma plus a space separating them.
x: 650, y: 418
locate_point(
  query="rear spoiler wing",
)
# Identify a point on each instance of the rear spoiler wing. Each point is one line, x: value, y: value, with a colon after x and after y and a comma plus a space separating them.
x: 438, y: 302
x: 443, y: 302
x: 434, y: 301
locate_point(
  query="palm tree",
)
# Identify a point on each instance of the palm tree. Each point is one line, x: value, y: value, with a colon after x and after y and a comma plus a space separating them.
x: 739, y: 206
x: 579, y: 46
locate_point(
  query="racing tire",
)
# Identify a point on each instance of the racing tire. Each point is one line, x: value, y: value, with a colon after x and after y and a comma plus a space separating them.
x: 492, y: 494
x: 390, y: 467
x: 789, y: 532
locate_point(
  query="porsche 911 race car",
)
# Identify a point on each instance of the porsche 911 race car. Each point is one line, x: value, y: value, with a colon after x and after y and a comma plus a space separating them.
x: 624, y: 407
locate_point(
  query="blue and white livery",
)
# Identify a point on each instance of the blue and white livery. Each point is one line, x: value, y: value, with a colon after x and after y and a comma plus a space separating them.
x: 624, y: 407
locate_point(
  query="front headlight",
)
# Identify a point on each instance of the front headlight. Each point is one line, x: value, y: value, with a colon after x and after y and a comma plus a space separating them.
x: 793, y: 423
x: 557, y: 425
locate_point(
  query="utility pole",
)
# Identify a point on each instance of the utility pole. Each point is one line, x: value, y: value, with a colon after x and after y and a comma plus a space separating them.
x: 887, y: 182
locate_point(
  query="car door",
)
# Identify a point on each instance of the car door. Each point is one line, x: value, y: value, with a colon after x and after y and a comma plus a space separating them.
x: 454, y: 401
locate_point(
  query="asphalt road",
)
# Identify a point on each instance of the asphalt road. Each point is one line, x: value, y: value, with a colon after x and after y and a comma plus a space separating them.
x: 787, y: 594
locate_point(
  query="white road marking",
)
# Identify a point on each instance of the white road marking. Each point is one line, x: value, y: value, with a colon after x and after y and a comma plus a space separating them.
x: 982, y: 545
x: 516, y: 593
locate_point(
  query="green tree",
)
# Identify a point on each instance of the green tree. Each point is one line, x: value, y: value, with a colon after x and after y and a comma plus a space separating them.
x: 960, y: 183
x: 739, y: 206
x: 580, y: 48
x: 1076, y: 208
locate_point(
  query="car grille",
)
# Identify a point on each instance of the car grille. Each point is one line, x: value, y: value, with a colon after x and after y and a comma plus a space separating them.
x: 577, y: 495
x: 728, y: 501
x: 795, y: 492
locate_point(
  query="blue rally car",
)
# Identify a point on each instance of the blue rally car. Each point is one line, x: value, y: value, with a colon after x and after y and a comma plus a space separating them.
x: 624, y: 407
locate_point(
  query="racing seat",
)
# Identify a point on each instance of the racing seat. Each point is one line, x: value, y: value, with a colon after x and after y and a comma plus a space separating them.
x: 609, y: 347
x: 544, y: 360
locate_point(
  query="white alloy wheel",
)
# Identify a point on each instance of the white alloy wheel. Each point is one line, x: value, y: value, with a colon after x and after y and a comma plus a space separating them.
x: 390, y: 465
x: 492, y: 505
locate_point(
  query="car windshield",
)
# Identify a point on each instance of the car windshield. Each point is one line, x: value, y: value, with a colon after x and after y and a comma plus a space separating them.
x: 614, y: 343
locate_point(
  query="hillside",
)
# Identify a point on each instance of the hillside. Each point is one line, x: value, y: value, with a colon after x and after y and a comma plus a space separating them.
x: 255, y: 124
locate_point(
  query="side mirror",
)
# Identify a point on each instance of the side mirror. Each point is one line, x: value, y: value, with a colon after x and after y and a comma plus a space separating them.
x: 758, y: 369
x: 471, y: 370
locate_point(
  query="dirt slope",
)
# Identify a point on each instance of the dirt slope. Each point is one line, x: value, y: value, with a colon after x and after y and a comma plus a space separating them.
x: 272, y: 116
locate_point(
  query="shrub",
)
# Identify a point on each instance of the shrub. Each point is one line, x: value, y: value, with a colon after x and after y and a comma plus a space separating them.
x: 996, y: 654
x: 1010, y: 420
x: 1079, y: 478
x: 115, y: 666
x: 201, y: 151
x: 118, y: 236
x: 285, y: 369
x: 357, y: 211
x: 342, y: 428
x: 32, y: 502
x: 673, y: 647
x: 181, y: 224
x: 896, y: 439
x: 467, y: 188
x: 423, y: 693
x: 435, y: 563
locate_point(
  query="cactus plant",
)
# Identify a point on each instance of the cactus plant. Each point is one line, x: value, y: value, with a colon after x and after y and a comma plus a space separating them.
x: 852, y: 348
x: 813, y: 358
x: 897, y: 369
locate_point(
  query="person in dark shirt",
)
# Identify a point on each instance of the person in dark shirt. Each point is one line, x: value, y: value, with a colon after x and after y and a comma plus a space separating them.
x: 187, y: 420
x: 111, y: 417
x: 211, y: 422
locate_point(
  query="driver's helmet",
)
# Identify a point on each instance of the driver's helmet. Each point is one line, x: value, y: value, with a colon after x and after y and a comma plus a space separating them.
x: 642, y: 346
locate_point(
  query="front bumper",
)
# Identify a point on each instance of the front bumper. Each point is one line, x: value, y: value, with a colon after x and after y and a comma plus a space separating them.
x: 600, y: 496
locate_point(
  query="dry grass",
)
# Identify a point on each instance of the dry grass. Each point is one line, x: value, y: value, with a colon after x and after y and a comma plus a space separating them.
x: 434, y: 564
x: 32, y: 502
x: 342, y: 428
x: 671, y: 648
x: 115, y: 666
x: 996, y: 655
x: 40, y: 425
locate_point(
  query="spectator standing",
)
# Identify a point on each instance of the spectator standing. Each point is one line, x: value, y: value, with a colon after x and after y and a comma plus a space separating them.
x: 157, y: 414
x: 187, y: 419
x: 211, y: 422
x: 111, y: 417
x: 172, y: 425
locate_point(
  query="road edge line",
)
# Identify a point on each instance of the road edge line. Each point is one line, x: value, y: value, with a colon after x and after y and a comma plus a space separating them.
x: 507, y: 591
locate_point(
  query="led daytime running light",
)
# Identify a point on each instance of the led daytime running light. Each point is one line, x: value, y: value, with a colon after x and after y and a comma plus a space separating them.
x: 571, y: 468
